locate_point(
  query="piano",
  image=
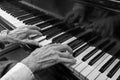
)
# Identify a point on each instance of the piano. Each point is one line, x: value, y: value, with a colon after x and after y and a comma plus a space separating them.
x: 97, y: 58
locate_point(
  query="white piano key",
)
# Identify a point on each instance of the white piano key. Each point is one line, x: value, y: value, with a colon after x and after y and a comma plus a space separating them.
x: 101, y: 59
x: 44, y: 22
x: 84, y: 63
x: 11, y: 19
x: 23, y: 15
x: 88, y: 69
x: 45, y: 42
x: 109, y: 79
x: 77, y: 58
x: 80, y: 67
x: 93, y: 75
x: 39, y: 23
x: 104, y: 75
x: 29, y: 18
x: 69, y: 40
x: 40, y: 38
x: 111, y: 66
x: 58, y: 35
x: 115, y: 76
x: 95, y: 69
x: 84, y: 43
x: 46, y: 26
x: 93, y: 55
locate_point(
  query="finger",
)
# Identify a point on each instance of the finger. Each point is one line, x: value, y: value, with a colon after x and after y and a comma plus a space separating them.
x: 66, y: 60
x: 32, y: 42
x: 13, y: 40
x: 68, y: 17
x: 77, y: 18
x: 51, y: 45
x: 63, y: 48
x: 65, y: 54
x: 32, y: 27
x: 32, y: 32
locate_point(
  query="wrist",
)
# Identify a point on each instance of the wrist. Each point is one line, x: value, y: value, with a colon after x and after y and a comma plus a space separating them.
x: 4, y: 36
x: 30, y: 64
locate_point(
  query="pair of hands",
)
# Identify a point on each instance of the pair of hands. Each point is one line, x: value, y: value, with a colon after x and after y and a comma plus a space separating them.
x: 21, y: 35
x: 104, y: 26
x: 43, y: 57
x: 49, y: 55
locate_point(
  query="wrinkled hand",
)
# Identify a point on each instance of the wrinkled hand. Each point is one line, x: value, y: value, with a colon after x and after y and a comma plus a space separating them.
x: 76, y: 15
x: 102, y: 26
x: 21, y: 35
x: 49, y: 55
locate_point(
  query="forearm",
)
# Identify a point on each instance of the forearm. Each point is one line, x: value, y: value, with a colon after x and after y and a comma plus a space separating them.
x: 3, y: 37
x: 19, y: 72
x: 5, y: 66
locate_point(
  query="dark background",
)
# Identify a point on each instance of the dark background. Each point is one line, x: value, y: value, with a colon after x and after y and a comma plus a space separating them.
x: 60, y: 7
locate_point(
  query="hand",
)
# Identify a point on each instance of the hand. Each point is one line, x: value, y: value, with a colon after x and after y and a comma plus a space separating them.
x: 103, y: 26
x: 21, y: 35
x: 76, y: 15
x: 49, y: 55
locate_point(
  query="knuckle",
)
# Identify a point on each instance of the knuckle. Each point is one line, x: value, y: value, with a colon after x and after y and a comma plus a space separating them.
x: 26, y: 29
x: 57, y: 58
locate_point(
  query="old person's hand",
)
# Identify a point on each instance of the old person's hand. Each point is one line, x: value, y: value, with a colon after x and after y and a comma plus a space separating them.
x: 76, y: 15
x: 21, y: 35
x: 49, y: 55
x: 102, y: 26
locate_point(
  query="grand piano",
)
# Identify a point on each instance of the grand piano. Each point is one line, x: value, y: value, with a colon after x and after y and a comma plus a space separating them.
x: 97, y: 58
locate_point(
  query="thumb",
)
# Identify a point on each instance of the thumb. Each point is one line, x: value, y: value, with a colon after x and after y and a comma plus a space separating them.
x: 32, y: 42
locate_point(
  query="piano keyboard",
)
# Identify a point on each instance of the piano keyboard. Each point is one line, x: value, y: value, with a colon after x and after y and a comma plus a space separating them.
x: 97, y: 58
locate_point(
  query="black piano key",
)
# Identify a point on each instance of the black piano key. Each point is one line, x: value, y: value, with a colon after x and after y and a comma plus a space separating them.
x: 25, y: 17
x: 37, y: 19
x: 52, y: 32
x: 114, y: 70
x: 101, y: 46
x: 80, y: 50
x: 106, y: 49
x: 56, y: 32
x: 43, y: 25
x: 99, y: 43
x: 88, y: 36
x: 86, y: 57
x: 75, y: 44
x: 95, y: 40
x: 11, y: 9
x: 64, y: 38
x: 96, y: 58
x: 17, y: 14
x: 118, y: 77
x: 49, y: 30
x: 33, y: 20
x: 106, y: 65
x: 54, y: 22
